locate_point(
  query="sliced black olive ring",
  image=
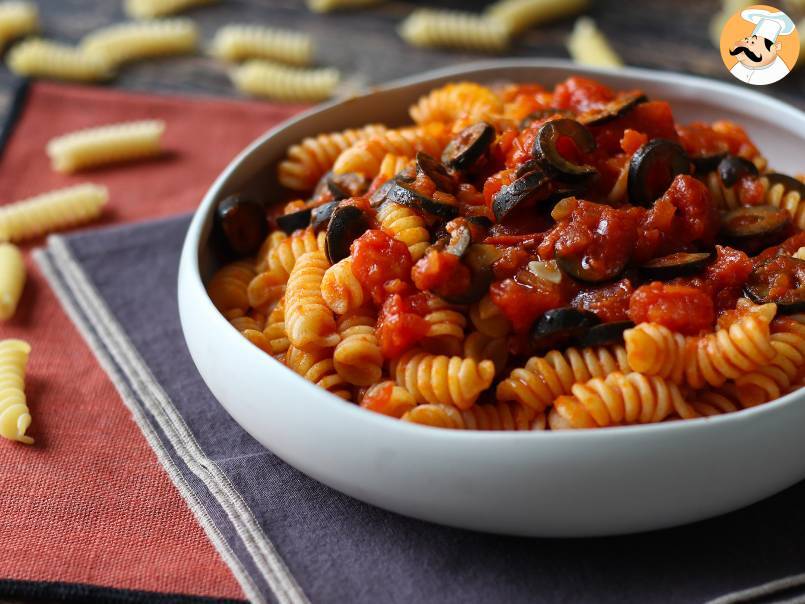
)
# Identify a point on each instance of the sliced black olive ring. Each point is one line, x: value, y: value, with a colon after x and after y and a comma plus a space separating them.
x: 243, y: 224
x: 320, y: 216
x: 707, y: 163
x: 351, y: 184
x: 294, y: 221
x: 435, y: 170
x: 548, y: 155
x: 757, y: 286
x: 732, y: 168
x: 470, y: 144
x: 667, y: 157
x: 347, y: 223
x: 560, y: 325
x: 525, y: 188
x: 579, y: 268
x: 614, y: 109
x: 604, y: 334
x: 406, y: 196
x: 752, y: 222
x: 676, y: 265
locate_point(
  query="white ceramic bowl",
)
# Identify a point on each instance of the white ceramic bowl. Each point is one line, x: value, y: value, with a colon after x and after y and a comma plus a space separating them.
x: 570, y: 483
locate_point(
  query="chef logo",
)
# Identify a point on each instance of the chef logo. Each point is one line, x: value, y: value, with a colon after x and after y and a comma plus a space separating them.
x: 759, y: 45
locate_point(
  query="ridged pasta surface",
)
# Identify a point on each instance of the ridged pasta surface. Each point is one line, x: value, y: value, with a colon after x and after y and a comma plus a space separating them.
x: 405, y: 225
x: 16, y: 20
x: 12, y: 279
x: 341, y: 289
x: 357, y: 356
x: 46, y: 59
x: 309, y: 322
x: 15, y: 417
x: 318, y: 367
x: 241, y: 42
x: 461, y: 100
x: 274, y: 81
x: 125, y: 42
x: 454, y: 29
x: 228, y: 286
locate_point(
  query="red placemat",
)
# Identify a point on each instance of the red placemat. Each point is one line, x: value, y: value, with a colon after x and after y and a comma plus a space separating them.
x: 89, y: 503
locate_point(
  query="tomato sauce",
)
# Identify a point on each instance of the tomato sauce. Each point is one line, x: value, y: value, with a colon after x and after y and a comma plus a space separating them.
x: 377, y: 260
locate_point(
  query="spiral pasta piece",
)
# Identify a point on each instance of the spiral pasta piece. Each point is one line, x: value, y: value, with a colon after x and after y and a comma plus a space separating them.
x: 105, y: 145
x: 588, y: 46
x: 778, y: 196
x: 125, y: 42
x: 392, y: 165
x: 487, y: 318
x: 460, y: 100
x: 543, y: 379
x: 519, y: 15
x: 388, y: 399
x: 480, y: 346
x: 709, y: 403
x: 307, y: 162
x: 275, y: 329
x: 239, y: 42
x: 445, y: 333
x: 317, y: 367
x: 51, y: 211
x: 276, y: 265
x: 261, y: 78
x: 17, y: 19
x: 341, y: 289
x: 405, y: 225
x: 244, y: 322
x: 366, y: 156
x: 228, y: 287
x: 618, y: 399
x: 46, y: 59
x: 148, y: 9
x: 769, y: 382
x: 357, y: 356
x: 499, y: 416
x: 429, y: 28
x: 442, y: 379
x: 309, y: 322
x: 12, y: 279
x: 15, y: 418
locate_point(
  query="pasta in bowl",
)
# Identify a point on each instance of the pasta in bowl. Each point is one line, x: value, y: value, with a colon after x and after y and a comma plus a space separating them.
x: 545, y: 250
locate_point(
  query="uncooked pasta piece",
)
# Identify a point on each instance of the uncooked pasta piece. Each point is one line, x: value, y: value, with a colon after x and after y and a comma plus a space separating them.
x: 326, y: 6
x: 240, y: 42
x: 454, y: 29
x: 273, y: 81
x: 12, y: 279
x: 588, y: 46
x: 124, y: 42
x: 17, y: 19
x: 148, y: 9
x: 105, y: 145
x: 15, y: 418
x: 52, y: 211
x: 518, y: 15
x: 46, y: 59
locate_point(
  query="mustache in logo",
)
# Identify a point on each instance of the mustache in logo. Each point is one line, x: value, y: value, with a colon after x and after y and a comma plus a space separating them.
x: 743, y: 49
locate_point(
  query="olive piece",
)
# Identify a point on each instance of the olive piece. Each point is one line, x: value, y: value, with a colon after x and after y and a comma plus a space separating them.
x: 652, y: 169
x: 732, y: 168
x: 480, y: 221
x: 435, y: 170
x: 707, y: 163
x: 758, y: 285
x: 406, y: 196
x: 605, y: 334
x: 346, y: 224
x: 479, y: 257
x: 525, y: 188
x: 579, y: 268
x: 614, y: 109
x: 470, y: 144
x: 320, y: 216
x: 541, y: 114
x: 675, y: 265
x: 342, y: 186
x: 531, y: 165
x: 789, y: 183
x: 548, y: 155
x: 755, y: 221
x: 560, y: 325
x: 377, y: 198
x: 243, y: 224
x: 294, y: 221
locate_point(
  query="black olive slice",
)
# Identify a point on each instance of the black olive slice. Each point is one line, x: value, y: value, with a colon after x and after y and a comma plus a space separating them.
x: 541, y: 114
x: 614, y: 109
x: 755, y: 221
x: 481, y: 221
x: 546, y: 152
x: 243, y: 224
x: 479, y: 257
x: 435, y: 170
x: 732, y: 168
x: 579, y: 268
x: 470, y: 144
x: 604, y: 334
x: 675, y: 265
x: 531, y: 165
x: 351, y: 184
x: 789, y: 182
x: 707, y: 163
x: 757, y: 285
x: 294, y: 221
x: 346, y: 224
x: 406, y: 196
x: 652, y: 169
x: 377, y: 198
x: 525, y: 188
x: 320, y: 216
x: 560, y: 325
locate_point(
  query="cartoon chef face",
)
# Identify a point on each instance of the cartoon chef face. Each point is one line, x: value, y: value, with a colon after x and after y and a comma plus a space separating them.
x: 755, y: 51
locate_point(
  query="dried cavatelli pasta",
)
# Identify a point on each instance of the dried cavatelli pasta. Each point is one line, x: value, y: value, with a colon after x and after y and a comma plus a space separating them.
x: 307, y: 162
x: 326, y: 6
x: 275, y: 329
x: 124, y: 42
x: 52, y: 211
x: 148, y: 9
x: 393, y: 165
x: 228, y: 286
x: 357, y: 356
x: 456, y: 101
x: 543, y: 379
x: 518, y: 15
x: 365, y: 156
x: 787, y: 199
x: 388, y: 398
x: 17, y: 19
x: 711, y: 359
x: 588, y: 46
x: 45, y: 59
x: 317, y: 367
x: 105, y: 145
x: 12, y: 279
x: 15, y: 418
x: 445, y: 333
x: 487, y: 318
x: 405, y: 225
x: 241, y: 42
x: 341, y: 289
x: 309, y: 322
x: 442, y: 379
x: 429, y: 28
x: 480, y: 346
x: 617, y: 400
x: 282, y: 83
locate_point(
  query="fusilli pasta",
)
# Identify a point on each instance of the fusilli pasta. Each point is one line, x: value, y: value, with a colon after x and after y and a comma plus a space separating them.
x: 480, y: 346
x: 317, y: 367
x: 393, y: 165
x: 791, y: 200
x: 240, y: 42
x: 46, y: 59
x: 389, y: 399
x: 461, y: 100
x: 125, y: 42
x: 454, y: 29
x: 405, y: 225
x: 487, y: 318
x: 228, y: 287
x: 17, y: 19
x: 271, y: 80
x: 445, y: 333
x: 148, y: 9
x: 357, y: 356
x: 12, y: 279
x: 341, y: 289
x: 275, y: 329
x: 15, y: 418
x: 309, y: 322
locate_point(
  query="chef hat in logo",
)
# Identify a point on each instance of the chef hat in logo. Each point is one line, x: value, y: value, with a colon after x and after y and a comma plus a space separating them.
x: 768, y: 24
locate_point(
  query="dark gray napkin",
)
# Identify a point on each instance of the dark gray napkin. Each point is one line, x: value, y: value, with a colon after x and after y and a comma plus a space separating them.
x: 289, y: 538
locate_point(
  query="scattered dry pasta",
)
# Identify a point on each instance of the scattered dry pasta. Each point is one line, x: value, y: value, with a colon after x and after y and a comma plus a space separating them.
x: 12, y: 279
x: 274, y: 81
x: 17, y: 19
x: 125, y: 42
x: 46, y: 59
x: 105, y: 145
x: 518, y: 15
x: 240, y: 42
x: 148, y: 9
x: 326, y: 6
x: 588, y: 46
x: 430, y: 28
x: 15, y: 418
x: 52, y: 211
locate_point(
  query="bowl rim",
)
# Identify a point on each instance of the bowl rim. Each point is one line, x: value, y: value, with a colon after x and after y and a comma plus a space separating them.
x: 191, y: 249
